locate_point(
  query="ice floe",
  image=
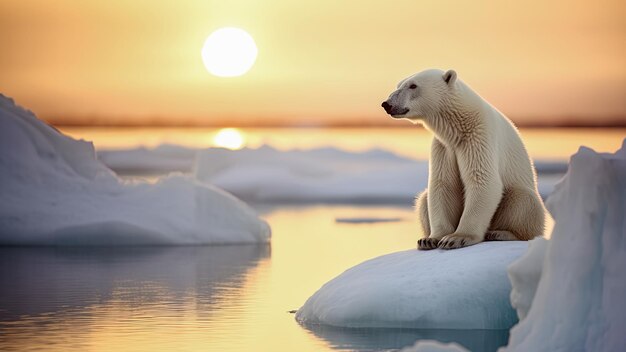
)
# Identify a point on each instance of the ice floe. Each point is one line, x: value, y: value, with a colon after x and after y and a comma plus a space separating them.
x: 466, y: 288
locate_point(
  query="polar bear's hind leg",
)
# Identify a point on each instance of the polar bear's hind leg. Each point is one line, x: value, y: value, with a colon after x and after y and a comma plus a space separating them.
x: 500, y: 235
x: 520, y: 216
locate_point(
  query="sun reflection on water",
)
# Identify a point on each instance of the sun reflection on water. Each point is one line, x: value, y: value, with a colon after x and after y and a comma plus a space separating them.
x: 229, y: 138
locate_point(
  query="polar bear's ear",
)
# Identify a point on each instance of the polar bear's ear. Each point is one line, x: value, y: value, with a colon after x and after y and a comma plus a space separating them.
x: 449, y: 77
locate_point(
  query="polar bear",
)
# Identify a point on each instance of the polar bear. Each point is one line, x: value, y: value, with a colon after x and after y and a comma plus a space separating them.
x: 482, y: 184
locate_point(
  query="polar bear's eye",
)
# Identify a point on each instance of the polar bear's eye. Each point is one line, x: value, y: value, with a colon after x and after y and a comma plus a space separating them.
x: 412, y: 86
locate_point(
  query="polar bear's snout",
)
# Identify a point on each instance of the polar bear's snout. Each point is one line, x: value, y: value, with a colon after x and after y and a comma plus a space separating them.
x: 393, y: 107
x: 387, y: 106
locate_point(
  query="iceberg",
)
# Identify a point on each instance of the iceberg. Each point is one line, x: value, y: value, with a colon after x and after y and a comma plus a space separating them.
x: 55, y: 192
x: 574, y: 299
x: 467, y: 288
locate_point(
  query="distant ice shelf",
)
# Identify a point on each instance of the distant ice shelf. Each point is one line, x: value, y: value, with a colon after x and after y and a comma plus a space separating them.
x: 315, y: 175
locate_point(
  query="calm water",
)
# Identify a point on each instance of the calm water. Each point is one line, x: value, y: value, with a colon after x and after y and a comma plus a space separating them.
x: 228, y: 298
x: 220, y: 298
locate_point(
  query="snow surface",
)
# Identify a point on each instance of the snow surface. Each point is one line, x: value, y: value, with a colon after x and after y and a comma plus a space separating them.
x: 580, y: 300
x: 317, y: 175
x: 54, y: 192
x: 464, y: 288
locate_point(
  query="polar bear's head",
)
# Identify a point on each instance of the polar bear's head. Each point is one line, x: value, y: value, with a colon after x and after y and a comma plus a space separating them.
x: 420, y: 95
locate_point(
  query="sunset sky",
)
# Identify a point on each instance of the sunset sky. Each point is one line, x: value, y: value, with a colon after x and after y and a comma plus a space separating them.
x: 319, y: 62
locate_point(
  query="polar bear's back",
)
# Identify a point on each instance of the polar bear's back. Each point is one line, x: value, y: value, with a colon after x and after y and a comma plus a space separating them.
x: 515, y: 165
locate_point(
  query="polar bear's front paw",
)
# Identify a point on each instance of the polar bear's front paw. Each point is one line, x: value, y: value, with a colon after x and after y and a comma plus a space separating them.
x: 427, y: 243
x: 457, y: 240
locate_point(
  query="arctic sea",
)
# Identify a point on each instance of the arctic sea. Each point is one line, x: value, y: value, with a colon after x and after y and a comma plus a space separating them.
x: 233, y: 298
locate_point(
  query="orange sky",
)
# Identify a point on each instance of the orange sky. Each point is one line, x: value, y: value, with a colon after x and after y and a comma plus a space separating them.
x: 319, y: 62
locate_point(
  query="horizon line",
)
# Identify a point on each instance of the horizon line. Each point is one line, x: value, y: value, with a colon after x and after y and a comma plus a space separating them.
x: 617, y: 123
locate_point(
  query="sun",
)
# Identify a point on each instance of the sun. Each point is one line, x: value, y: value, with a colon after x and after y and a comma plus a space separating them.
x: 229, y: 52
x: 229, y: 138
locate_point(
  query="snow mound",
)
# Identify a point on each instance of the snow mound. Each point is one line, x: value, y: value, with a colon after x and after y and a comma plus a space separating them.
x: 465, y: 288
x: 55, y: 192
x: 579, y: 304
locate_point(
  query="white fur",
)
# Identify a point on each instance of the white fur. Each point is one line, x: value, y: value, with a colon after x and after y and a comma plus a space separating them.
x: 481, y: 179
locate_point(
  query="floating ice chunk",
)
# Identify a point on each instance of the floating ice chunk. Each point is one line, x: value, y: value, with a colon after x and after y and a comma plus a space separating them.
x: 55, y: 192
x: 580, y: 304
x: 464, y: 288
x: 366, y: 220
x: 434, y: 346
